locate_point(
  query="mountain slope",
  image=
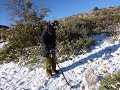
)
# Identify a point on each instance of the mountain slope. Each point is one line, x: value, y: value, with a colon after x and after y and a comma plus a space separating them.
x: 107, y: 19
x: 95, y: 13
x: 4, y: 32
x: 4, y: 27
x: 82, y: 72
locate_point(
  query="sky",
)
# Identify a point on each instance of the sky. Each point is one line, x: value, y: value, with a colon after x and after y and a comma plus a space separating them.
x: 62, y: 8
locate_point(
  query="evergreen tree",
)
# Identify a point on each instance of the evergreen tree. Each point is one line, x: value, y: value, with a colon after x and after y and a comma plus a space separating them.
x: 96, y: 8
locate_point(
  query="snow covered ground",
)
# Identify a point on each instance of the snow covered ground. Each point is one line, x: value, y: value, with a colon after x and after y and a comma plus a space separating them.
x: 2, y: 44
x: 83, y: 72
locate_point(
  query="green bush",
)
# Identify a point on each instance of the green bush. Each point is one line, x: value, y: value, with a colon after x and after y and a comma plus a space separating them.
x: 74, y: 47
x: 32, y: 57
x: 73, y: 37
x: 74, y: 32
x: 26, y: 56
x: 111, y: 82
x: 28, y: 20
x: 22, y: 37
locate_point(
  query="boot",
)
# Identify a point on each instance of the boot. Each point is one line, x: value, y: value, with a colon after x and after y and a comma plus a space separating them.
x: 49, y: 75
x: 56, y: 71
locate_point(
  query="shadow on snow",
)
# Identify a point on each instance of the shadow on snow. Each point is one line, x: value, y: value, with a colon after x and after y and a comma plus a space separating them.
x: 107, y: 52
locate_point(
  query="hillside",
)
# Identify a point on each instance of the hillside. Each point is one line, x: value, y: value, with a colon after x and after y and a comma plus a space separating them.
x: 88, y: 51
x: 4, y: 32
x: 4, y: 27
x: 83, y: 72
x: 95, y: 13
x: 107, y: 18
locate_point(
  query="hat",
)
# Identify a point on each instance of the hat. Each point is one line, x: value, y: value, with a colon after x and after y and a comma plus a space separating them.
x: 55, y: 23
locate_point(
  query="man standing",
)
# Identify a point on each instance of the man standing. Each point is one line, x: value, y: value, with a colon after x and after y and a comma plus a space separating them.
x: 48, y: 41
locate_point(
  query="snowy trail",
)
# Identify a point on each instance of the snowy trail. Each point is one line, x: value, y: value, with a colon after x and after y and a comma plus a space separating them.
x: 82, y: 72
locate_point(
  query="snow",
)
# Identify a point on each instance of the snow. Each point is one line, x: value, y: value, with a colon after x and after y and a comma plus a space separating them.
x: 83, y: 72
x: 2, y: 44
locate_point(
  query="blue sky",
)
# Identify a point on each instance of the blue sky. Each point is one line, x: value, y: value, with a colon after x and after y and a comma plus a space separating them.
x: 63, y: 8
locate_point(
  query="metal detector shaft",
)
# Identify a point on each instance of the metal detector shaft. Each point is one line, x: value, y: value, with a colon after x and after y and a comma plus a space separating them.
x: 63, y: 74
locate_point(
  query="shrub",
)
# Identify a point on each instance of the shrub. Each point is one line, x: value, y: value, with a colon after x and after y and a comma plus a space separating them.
x: 74, y: 47
x: 28, y: 24
x: 73, y: 38
x: 96, y: 8
x: 27, y: 56
x: 111, y: 82
x: 32, y: 58
x: 73, y: 34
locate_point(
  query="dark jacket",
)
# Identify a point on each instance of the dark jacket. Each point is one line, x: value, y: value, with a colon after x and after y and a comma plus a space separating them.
x: 48, y: 41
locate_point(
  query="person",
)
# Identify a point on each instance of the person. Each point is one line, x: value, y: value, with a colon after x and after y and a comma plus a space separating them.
x: 48, y: 42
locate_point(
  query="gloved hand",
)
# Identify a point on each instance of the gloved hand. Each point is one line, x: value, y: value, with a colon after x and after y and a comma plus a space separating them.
x: 52, y: 50
x: 52, y: 53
